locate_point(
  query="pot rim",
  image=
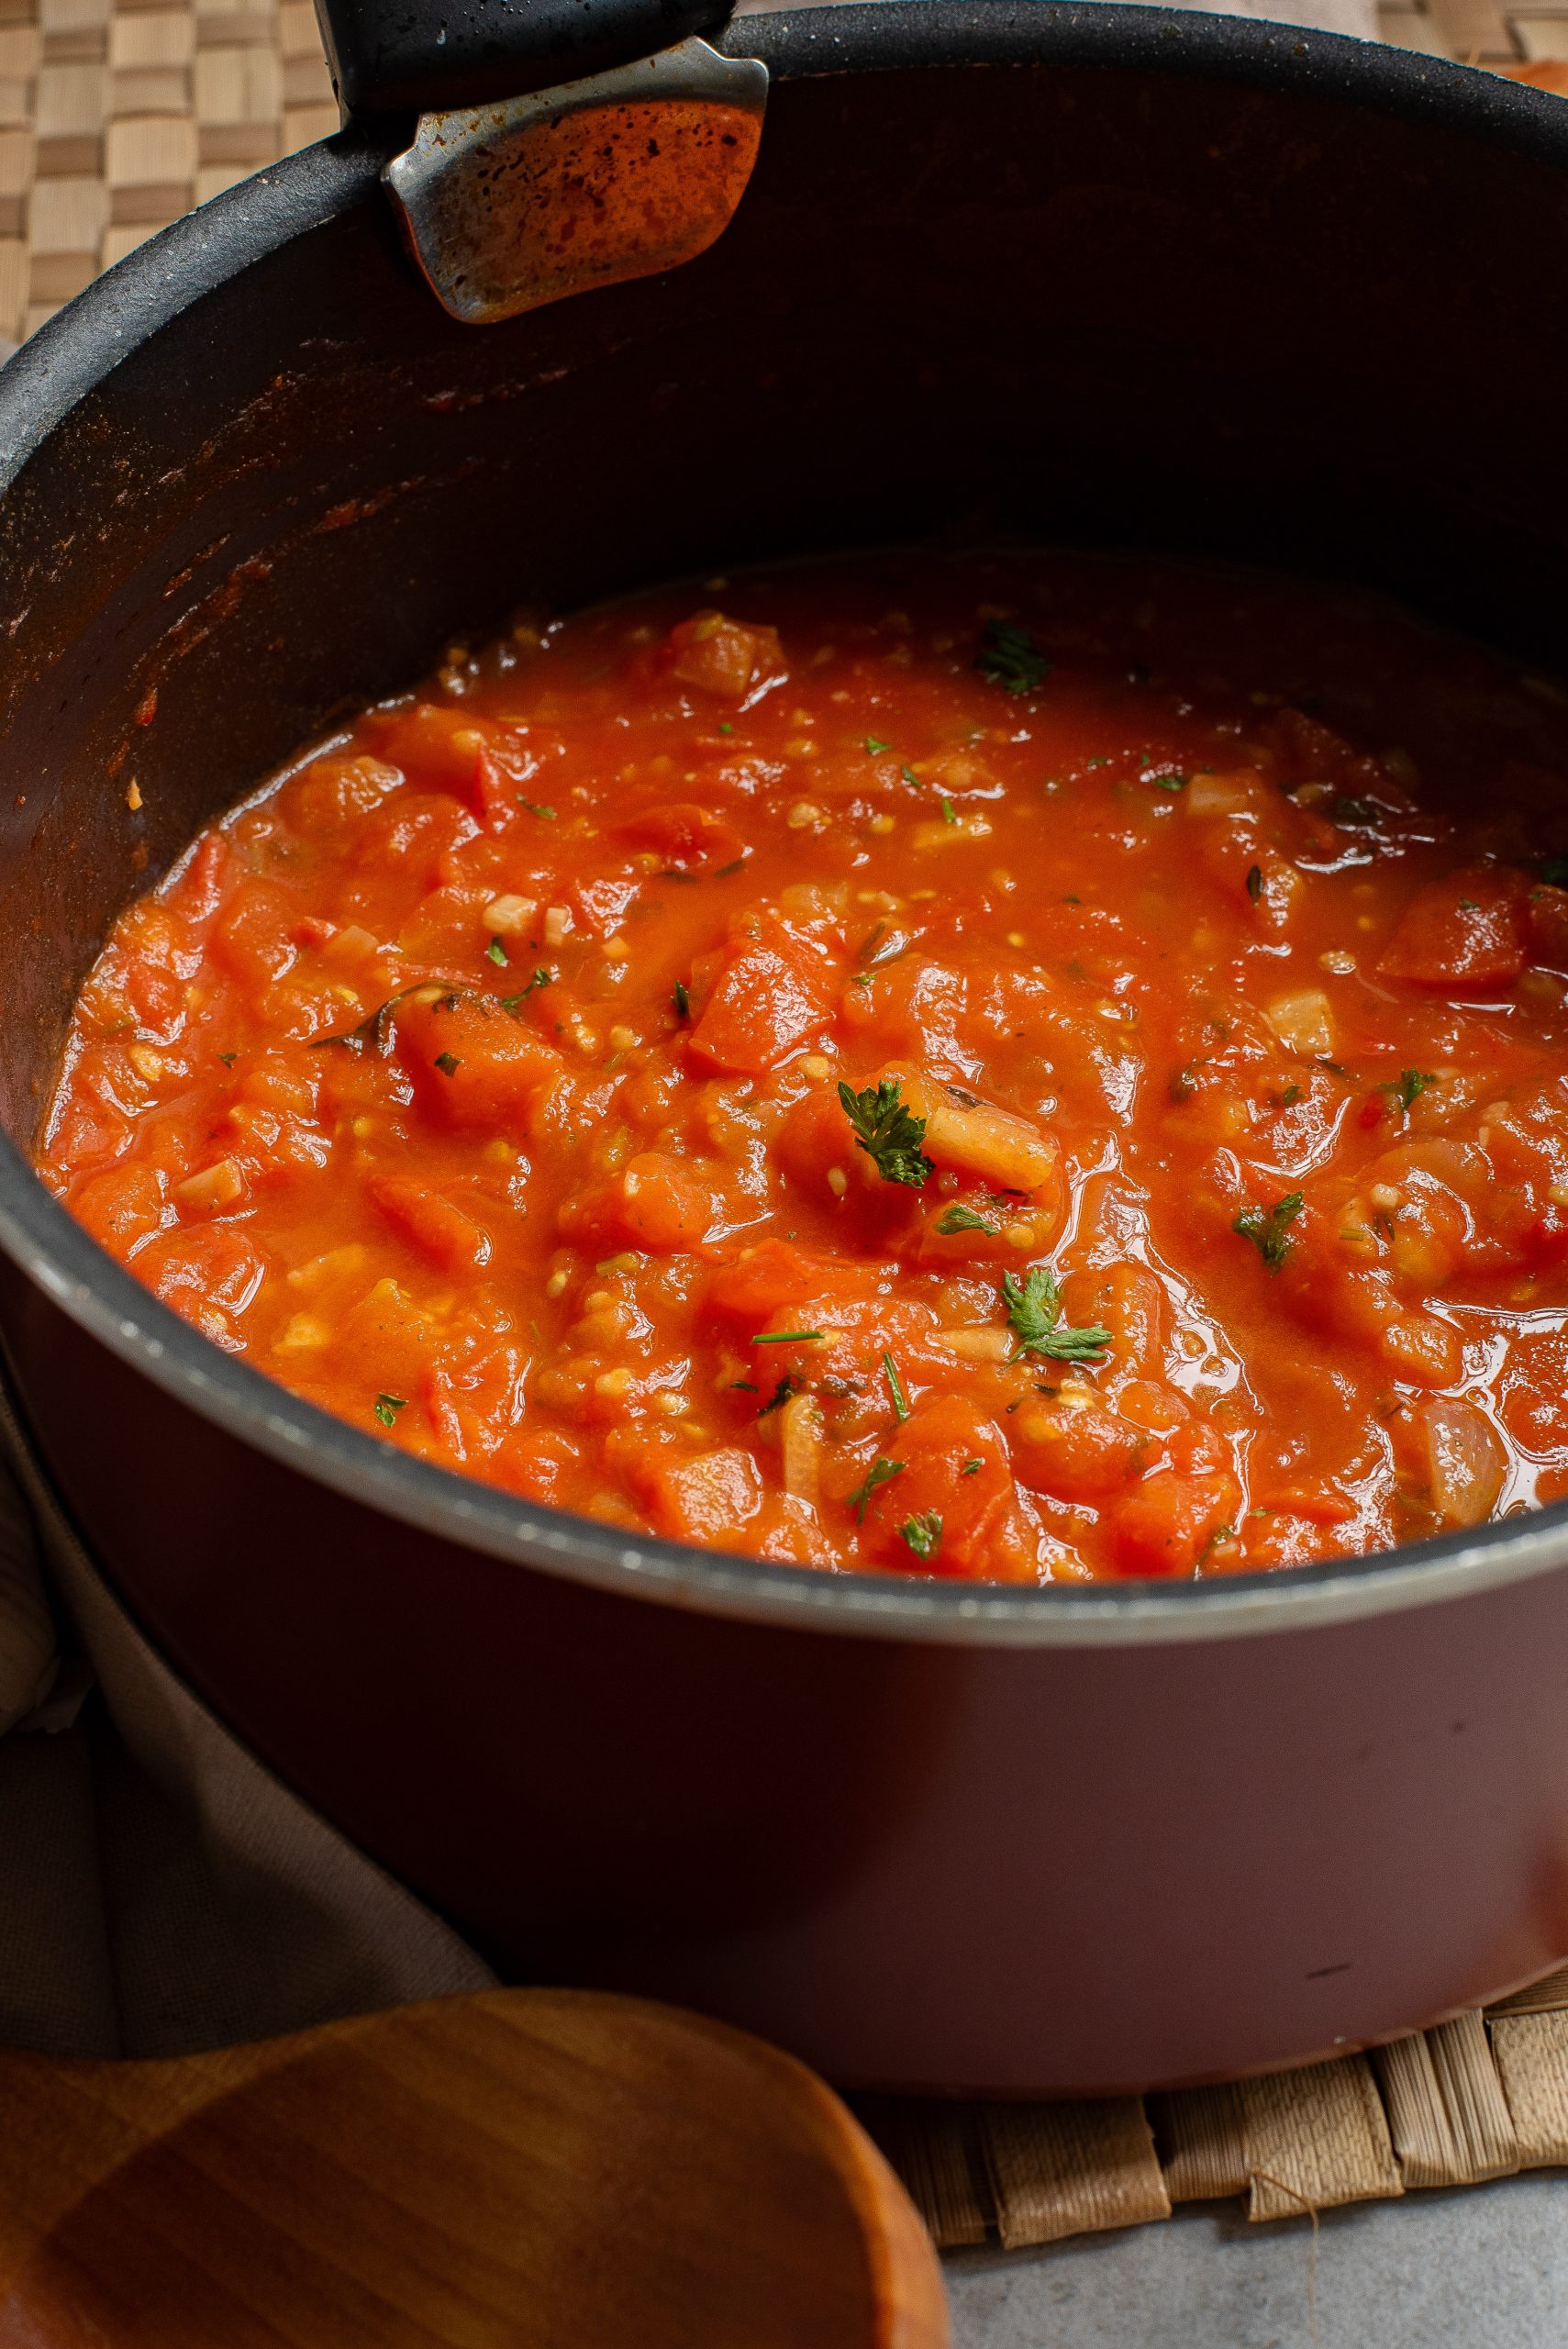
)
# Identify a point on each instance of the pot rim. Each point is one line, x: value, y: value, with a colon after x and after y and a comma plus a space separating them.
x: 76, y: 350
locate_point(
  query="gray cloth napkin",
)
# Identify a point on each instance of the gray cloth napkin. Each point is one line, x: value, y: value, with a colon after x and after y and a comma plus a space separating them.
x: 160, y: 1891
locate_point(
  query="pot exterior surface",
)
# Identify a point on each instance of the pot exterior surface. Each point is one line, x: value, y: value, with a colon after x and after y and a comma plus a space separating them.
x: 1002, y: 272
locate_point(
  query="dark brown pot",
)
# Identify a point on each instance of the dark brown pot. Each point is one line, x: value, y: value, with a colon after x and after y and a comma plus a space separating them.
x: 1062, y: 272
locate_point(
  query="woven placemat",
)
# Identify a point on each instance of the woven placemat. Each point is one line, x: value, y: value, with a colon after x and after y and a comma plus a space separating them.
x: 115, y: 117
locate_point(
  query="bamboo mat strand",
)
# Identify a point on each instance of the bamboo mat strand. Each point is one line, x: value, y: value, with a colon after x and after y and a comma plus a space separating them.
x: 1478, y: 2097
x: 115, y: 117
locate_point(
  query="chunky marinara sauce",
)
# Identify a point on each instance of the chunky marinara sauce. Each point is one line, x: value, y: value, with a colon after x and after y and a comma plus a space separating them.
x: 1019, y: 1068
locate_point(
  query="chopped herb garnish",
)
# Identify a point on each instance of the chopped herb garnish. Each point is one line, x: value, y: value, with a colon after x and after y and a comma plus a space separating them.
x: 541, y: 978
x: 229, y: 1059
x: 971, y: 1468
x: 745, y: 1385
x: 786, y: 1386
x: 681, y: 1000
x: 964, y: 1220
x: 1034, y: 1310
x: 1184, y: 1081
x: 1167, y: 782
x: 786, y: 1337
x: 1469, y: 905
x: 876, y: 1476
x: 448, y: 1063
x: 1010, y: 657
x: 1290, y: 1097
x: 896, y: 1388
x: 909, y: 775
x: 923, y: 1533
x: 388, y: 1408
x: 875, y: 747
x: 1255, y: 881
x: 889, y: 1135
x: 1412, y: 1084
x: 499, y: 954
x: 537, y: 807
x: 1268, y: 1228
x: 725, y: 870
x: 950, y: 813
x: 725, y: 727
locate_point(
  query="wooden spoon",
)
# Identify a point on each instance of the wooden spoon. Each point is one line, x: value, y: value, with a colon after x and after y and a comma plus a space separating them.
x: 516, y: 2167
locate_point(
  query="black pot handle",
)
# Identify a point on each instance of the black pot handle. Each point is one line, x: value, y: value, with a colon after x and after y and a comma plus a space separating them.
x: 391, y: 56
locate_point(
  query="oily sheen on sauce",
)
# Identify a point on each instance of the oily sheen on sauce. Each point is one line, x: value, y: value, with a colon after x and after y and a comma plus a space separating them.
x: 1017, y: 1067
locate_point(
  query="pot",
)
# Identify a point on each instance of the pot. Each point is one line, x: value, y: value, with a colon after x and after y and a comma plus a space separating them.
x: 1057, y: 271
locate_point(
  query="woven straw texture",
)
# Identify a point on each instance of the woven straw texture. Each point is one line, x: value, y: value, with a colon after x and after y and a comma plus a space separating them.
x: 1481, y: 2097
x: 115, y: 117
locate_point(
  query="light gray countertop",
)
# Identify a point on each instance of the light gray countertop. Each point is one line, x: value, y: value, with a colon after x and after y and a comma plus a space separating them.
x: 1485, y: 2267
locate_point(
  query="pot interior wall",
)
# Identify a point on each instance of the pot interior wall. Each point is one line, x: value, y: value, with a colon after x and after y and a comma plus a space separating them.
x: 1043, y: 300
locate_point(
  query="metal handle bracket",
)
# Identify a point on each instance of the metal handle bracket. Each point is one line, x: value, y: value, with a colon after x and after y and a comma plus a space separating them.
x: 509, y: 206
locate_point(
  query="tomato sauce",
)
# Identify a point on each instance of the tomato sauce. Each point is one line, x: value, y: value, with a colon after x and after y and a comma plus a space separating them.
x: 1016, y: 1067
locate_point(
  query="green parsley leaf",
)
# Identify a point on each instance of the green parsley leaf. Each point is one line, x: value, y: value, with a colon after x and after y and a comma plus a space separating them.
x: 875, y: 747
x: 1167, y: 782
x: 1010, y: 658
x: 681, y: 1000
x: 541, y: 978
x: 1035, y: 1309
x: 388, y: 1408
x: 1268, y: 1229
x: 1290, y: 1097
x: 950, y: 813
x: 886, y: 1131
x: 499, y: 954
x: 448, y: 1063
x: 1469, y: 905
x: 786, y: 1336
x: 1411, y: 1085
x: 1254, y: 882
x: 896, y: 1388
x: 910, y: 777
x: 725, y: 727
x: 923, y: 1533
x: 537, y: 807
x: 786, y: 1386
x: 229, y: 1059
x: 964, y: 1220
x: 876, y: 1476
x: 971, y: 1468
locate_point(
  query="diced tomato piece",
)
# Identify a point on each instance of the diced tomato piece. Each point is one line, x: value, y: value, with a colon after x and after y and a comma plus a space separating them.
x: 776, y: 991
x: 1548, y: 925
x: 474, y: 1063
x: 1077, y: 1455
x: 121, y: 1206
x: 654, y: 1202
x: 774, y: 1276
x: 254, y: 938
x: 1469, y: 930
x: 724, y: 657
x: 686, y: 838
x: 209, y: 1273
x: 451, y: 1240
x: 1168, y: 1520
x: 704, y: 1496
x: 954, y: 1489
